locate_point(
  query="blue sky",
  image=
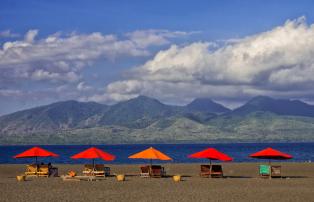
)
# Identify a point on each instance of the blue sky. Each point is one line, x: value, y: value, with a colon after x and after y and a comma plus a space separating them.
x: 108, y: 51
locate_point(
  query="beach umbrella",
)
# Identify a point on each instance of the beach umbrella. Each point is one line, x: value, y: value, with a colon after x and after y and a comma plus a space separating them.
x: 150, y: 153
x: 211, y: 154
x: 94, y: 153
x: 270, y: 153
x: 36, y: 152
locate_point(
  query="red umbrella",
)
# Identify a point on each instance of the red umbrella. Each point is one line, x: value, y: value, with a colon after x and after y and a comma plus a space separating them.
x: 36, y: 152
x: 211, y: 154
x: 94, y: 153
x: 270, y: 153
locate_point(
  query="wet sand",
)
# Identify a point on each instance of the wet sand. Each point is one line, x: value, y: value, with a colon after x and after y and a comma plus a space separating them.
x: 241, y: 183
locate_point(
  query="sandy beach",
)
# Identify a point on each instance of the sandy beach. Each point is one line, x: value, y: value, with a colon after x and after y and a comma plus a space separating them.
x: 240, y: 184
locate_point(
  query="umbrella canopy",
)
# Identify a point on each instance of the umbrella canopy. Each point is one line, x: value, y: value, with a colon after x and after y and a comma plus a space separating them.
x: 36, y: 152
x: 270, y: 153
x: 150, y: 153
x: 94, y: 153
x: 211, y: 154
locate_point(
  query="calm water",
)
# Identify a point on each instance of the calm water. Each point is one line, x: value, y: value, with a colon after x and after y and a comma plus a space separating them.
x: 300, y: 151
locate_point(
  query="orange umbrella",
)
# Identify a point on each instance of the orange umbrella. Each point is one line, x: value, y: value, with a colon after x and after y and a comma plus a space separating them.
x: 151, y: 154
x: 35, y: 152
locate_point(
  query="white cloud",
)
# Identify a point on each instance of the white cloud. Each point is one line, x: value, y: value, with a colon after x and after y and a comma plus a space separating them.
x: 55, y: 56
x: 8, y: 34
x: 145, y: 38
x: 30, y: 35
x: 83, y: 87
x: 278, y: 62
x: 40, y: 74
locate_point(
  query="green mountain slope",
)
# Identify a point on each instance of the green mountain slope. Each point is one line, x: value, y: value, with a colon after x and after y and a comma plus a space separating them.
x: 138, y: 112
x: 276, y: 106
x: 61, y: 115
x: 143, y: 119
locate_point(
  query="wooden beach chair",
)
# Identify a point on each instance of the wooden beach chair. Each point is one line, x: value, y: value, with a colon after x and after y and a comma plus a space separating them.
x: 99, y: 170
x: 31, y: 170
x: 144, y: 171
x: 157, y: 171
x: 88, y: 169
x: 275, y: 171
x: 205, y: 170
x: 43, y: 171
x: 216, y: 171
x: 264, y: 171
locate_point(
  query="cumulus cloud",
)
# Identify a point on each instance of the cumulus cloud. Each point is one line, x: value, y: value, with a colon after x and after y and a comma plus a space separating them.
x: 62, y: 58
x: 37, y: 69
x: 278, y: 62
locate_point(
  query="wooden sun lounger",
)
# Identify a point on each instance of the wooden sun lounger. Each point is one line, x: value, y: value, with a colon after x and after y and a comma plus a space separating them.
x: 216, y: 171
x: 31, y: 170
x: 211, y: 171
x: 275, y: 171
x: 152, y: 171
x: 43, y: 171
x: 157, y: 171
x: 99, y: 171
x: 205, y: 171
x: 144, y: 171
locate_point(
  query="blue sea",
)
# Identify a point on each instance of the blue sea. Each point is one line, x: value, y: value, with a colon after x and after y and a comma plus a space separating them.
x: 302, y: 152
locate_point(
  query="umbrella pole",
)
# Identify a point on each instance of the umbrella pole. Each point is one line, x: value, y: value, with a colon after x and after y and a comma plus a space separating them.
x: 93, y: 164
x: 151, y: 166
x: 269, y: 168
x: 36, y: 165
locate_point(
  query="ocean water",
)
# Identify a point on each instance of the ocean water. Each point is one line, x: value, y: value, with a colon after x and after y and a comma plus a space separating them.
x: 301, y: 152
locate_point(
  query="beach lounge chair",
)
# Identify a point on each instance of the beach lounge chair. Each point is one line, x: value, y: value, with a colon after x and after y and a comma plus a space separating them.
x: 31, y: 170
x: 264, y: 171
x: 216, y: 171
x: 43, y: 171
x: 88, y: 169
x: 144, y: 171
x: 205, y: 171
x: 275, y: 171
x: 99, y: 170
x: 157, y: 171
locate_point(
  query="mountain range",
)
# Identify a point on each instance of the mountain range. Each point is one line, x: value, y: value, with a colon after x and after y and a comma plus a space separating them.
x: 147, y: 120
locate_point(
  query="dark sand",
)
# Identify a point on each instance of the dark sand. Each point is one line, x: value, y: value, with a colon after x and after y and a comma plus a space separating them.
x: 240, y: 184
